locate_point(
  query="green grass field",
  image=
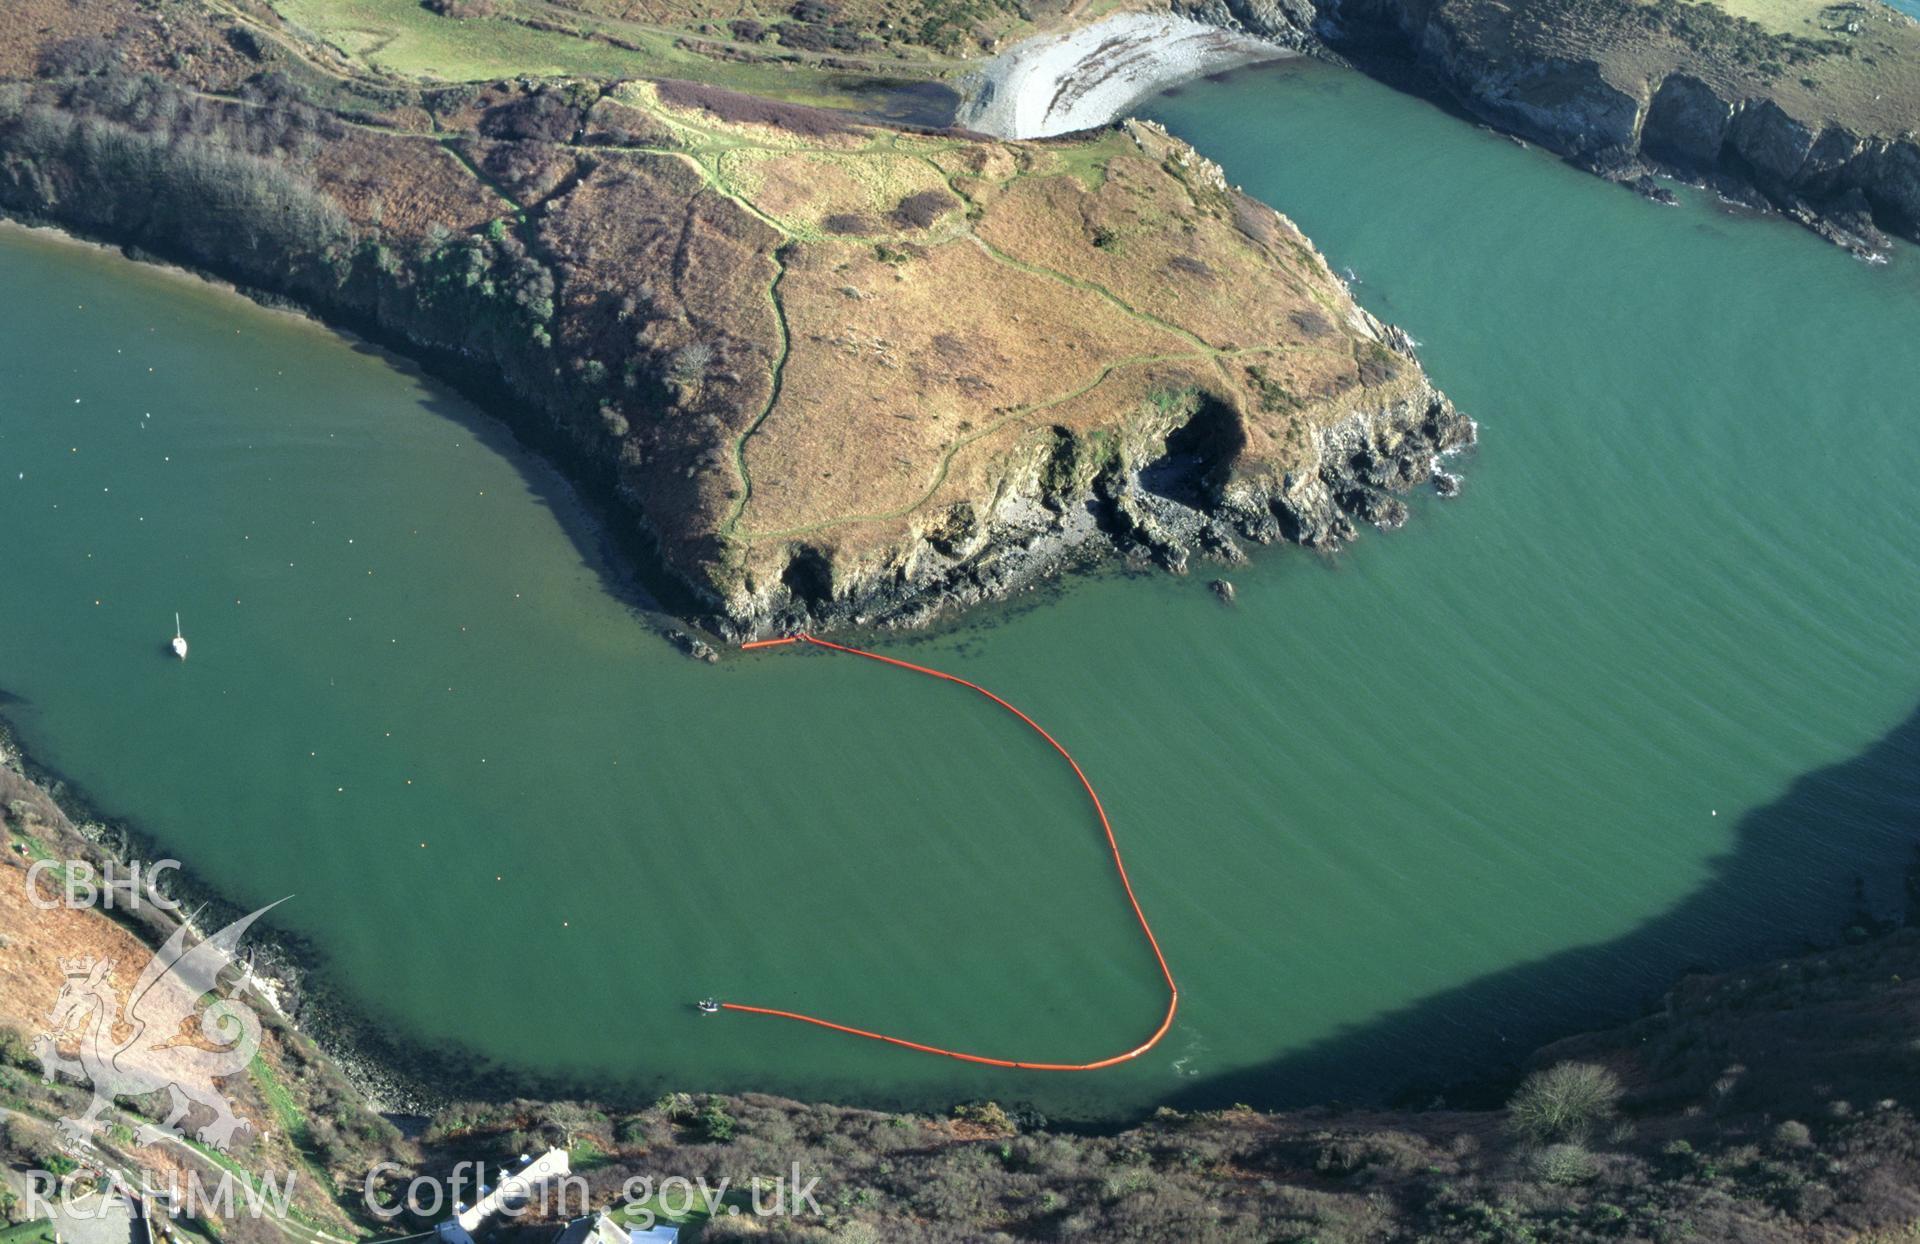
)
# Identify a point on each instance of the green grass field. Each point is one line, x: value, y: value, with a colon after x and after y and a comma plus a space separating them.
x: 400, y: 38
x: 40, y: 1231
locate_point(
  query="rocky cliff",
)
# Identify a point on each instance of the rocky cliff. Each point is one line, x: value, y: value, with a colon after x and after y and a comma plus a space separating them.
x: 837, y: 374
x: 1813, y: 115
x: 1166, y: 492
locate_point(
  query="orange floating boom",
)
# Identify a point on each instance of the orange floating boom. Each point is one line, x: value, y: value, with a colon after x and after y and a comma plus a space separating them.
x: 1173, y: 990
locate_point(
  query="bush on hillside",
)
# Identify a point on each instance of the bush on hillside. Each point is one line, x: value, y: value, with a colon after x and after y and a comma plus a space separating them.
x: 459, y: 9
x: 1564, y: 1102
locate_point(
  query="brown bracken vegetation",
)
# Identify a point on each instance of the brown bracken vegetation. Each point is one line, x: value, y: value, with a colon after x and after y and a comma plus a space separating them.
x: 786, y: 337
x: 1770, y: 1104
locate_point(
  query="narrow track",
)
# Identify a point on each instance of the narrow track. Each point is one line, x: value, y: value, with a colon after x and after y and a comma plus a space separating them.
x: 1120, y: 866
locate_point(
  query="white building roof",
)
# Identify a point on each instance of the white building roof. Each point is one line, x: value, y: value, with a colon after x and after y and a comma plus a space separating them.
x: 515, y: 1188
x: 602, y: 1229
x: 662, y: 1234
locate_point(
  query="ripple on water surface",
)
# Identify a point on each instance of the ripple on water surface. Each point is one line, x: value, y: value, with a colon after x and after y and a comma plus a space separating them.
x: 1642, y: 697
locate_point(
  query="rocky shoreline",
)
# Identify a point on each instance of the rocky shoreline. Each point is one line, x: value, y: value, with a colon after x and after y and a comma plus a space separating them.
x: 1761, y: 1103
x: 1037, y: 532
x: 1856, y: 189
x: 1364, y: 465
x: 646, y: 394
x: 282, y: 971
x: 1840, y: 185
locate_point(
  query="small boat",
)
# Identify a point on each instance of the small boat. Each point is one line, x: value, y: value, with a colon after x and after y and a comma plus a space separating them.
x: 709, y: 1006
x: 179, y: 639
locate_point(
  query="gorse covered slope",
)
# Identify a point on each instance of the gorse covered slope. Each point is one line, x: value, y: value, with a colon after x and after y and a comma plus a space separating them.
x: 840, y: 372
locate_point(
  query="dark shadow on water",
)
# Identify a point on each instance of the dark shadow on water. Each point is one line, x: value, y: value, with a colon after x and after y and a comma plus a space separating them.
x: 609, y: 541
x: 1799, y: 871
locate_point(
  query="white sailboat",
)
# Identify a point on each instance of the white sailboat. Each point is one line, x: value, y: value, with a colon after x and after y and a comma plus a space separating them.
x: 179, y: 639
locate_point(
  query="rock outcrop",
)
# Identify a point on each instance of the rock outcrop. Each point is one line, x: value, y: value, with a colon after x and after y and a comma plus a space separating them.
x: 1358, y: 471
x: 1789, y: 121
x: 829, y: 379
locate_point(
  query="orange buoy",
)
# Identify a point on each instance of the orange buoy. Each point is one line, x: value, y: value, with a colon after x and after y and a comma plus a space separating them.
x: 1119, y: 864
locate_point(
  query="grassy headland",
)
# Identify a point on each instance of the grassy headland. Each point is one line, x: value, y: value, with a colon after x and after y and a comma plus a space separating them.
x: 842, y: 372
x: 821, y: 358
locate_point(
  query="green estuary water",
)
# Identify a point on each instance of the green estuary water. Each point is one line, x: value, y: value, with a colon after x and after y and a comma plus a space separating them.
x: 1643, y: 697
